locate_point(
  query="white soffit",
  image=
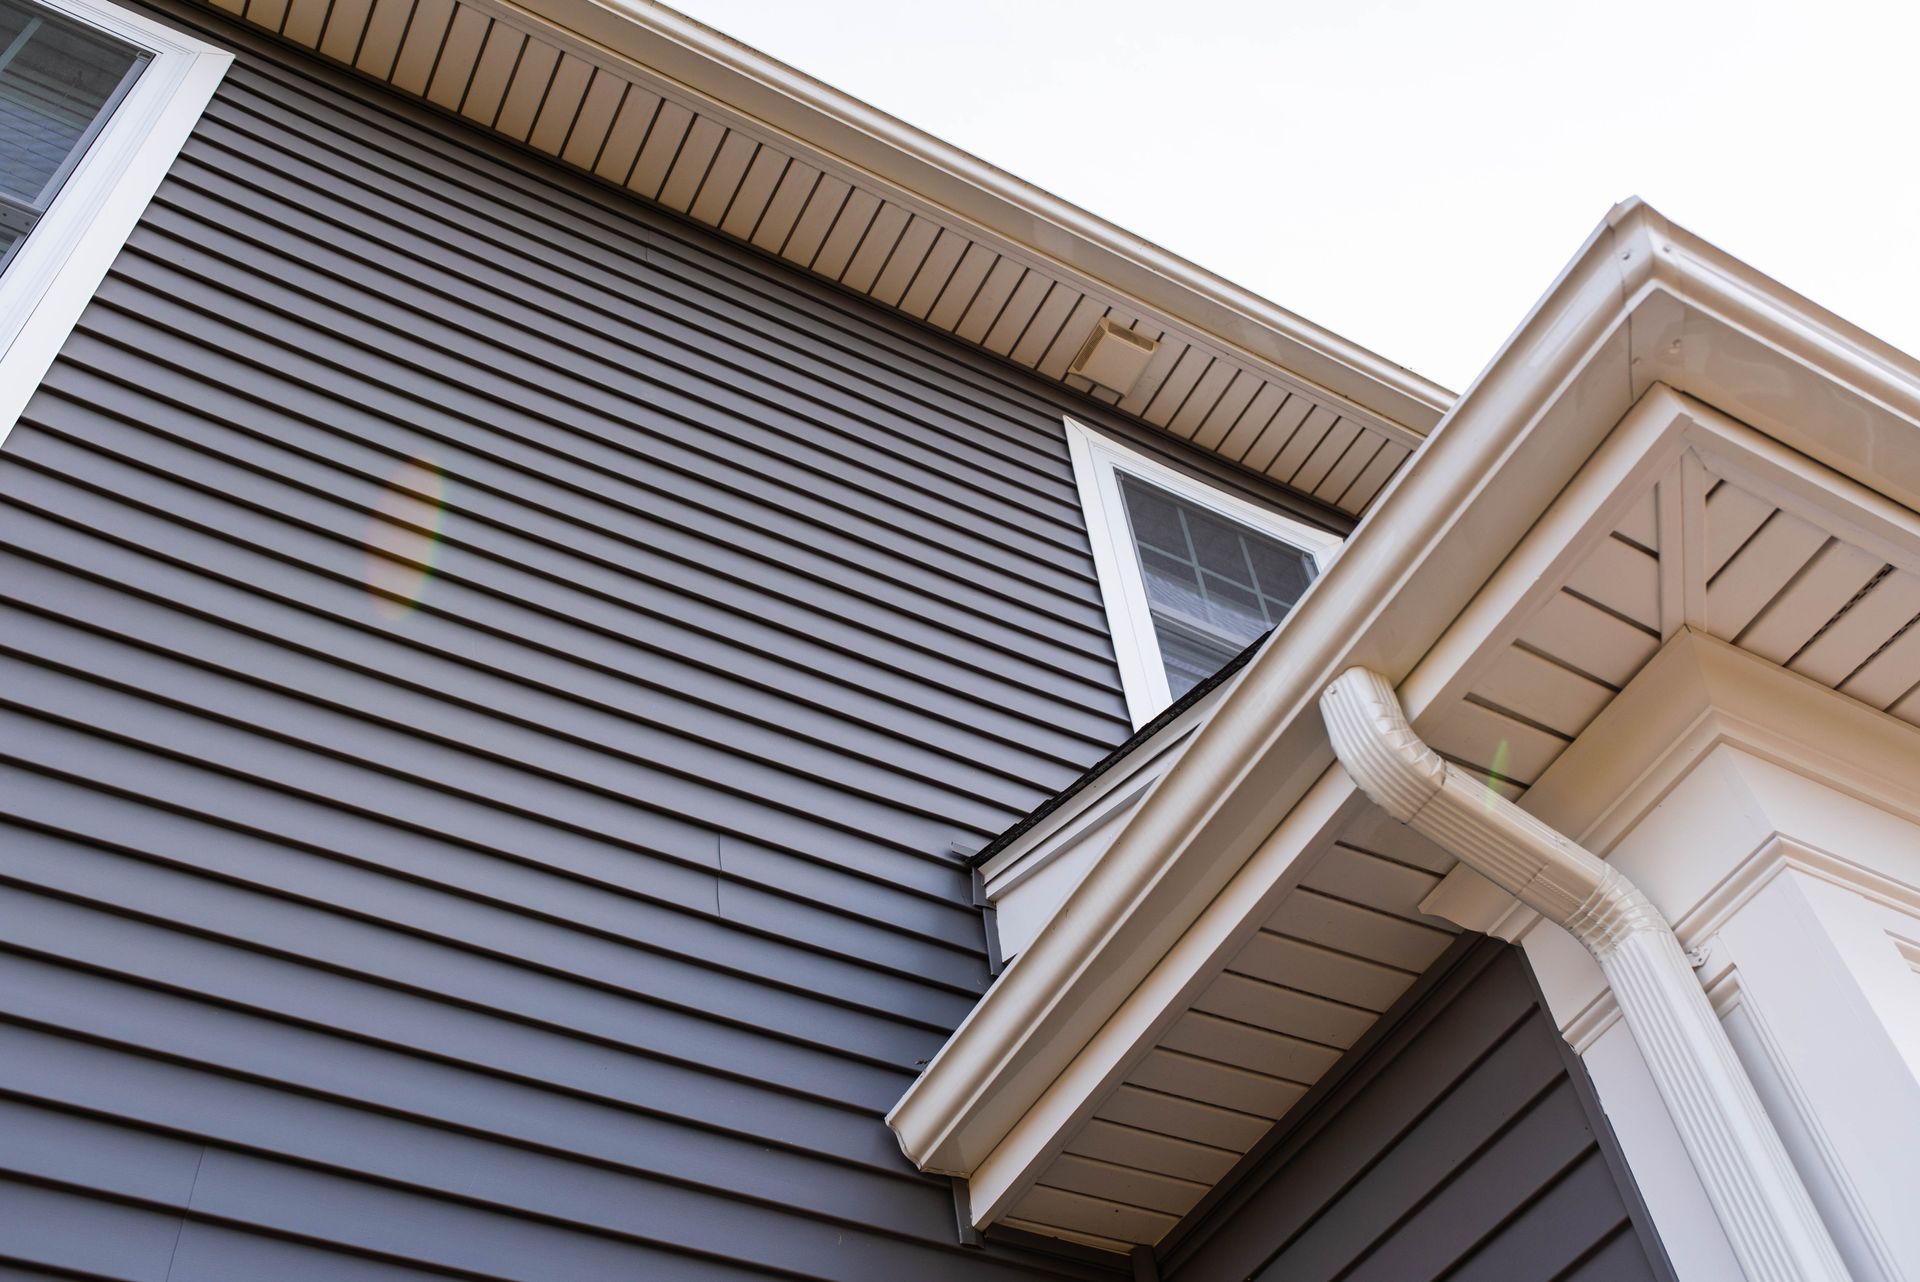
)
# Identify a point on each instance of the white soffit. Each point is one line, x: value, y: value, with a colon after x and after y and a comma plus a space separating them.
x: 676, y: 113
x: 1712, y: 528
x: 1587, y: 600
x: 1589, y: 467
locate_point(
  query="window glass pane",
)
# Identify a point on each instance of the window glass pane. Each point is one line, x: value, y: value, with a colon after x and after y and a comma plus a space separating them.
x: 1189, y: 658
x: 55, y: 81
x: 1213, y: 585
x: 1156, y: 521
x: 1282, y: 573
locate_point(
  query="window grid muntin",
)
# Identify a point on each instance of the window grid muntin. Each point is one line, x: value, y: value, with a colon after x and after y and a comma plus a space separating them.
x: 1179, y: 630
x: 20, y: 215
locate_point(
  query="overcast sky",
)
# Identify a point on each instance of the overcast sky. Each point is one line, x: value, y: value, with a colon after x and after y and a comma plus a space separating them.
x: 1413, y: 176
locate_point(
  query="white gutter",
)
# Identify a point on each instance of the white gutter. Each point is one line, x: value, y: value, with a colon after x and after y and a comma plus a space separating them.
x: 1643, y: 305
x: 1762, y: 1204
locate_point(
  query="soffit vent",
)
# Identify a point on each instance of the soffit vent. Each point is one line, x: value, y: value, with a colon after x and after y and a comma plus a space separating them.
x: 1113, y: 356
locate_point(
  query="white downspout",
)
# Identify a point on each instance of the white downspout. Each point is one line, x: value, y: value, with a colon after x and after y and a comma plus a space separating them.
x: 1770, y: 1221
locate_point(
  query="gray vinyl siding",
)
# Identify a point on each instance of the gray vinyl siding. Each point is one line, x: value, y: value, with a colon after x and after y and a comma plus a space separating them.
x: 1461, y: 1141
x: 582, y: 921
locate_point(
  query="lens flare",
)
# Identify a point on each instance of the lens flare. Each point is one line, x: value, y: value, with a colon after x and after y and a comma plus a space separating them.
x: 403, y: 537
x: 1498, y: 771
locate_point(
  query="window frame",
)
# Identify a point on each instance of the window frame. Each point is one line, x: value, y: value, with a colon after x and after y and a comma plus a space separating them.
x: 56, y: 269
x: 1098, y: 461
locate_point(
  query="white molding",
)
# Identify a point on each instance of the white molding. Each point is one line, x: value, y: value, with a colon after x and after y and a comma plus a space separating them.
x: 1698, y: 692
x: 1644, y: 313
x: 1755, y: 1189
x: 55, y: 272
x: 1098, y: 461
x: 1021, y: 1157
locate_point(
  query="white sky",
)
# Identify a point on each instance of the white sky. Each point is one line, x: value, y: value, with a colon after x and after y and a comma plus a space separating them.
x: 1413, y: 176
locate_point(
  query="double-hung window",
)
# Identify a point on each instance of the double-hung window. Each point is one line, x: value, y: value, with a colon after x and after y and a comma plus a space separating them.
x: 95, y: 103
x: 1191, y: 575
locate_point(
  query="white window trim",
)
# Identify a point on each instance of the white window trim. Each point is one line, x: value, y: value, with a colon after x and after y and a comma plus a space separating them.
x: 55, y: 272
x: 1097, y: 460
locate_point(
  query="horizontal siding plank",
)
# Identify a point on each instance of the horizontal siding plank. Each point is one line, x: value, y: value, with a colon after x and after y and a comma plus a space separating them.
x: 365, y: 1006
x: 588, y: 1085
x: 1535, y: 1150
x: 613, y: 395
x: 492, y: 676
x: 703, y: 961
x: 423, y: 1141
x: 337, y: 547
x: 576, y: 680
x: 662, y: 298
x: 84, y: 1236
x: 1552, y: 1234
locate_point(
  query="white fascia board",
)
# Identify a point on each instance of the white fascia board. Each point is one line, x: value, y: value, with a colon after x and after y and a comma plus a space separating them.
x: 1532, y: 420
x: 768, y: 96
x: 54, y: 274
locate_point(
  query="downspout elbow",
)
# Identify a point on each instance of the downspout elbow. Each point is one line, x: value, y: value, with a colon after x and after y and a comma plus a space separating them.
x: 1517, y: 852
x: 1757, y: 1193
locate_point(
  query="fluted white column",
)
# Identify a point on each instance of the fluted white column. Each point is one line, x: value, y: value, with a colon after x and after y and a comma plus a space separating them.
x: 1776, y: 1234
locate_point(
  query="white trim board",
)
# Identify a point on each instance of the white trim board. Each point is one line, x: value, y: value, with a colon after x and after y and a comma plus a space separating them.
x: 1097, y: 461
x: 55, y: 272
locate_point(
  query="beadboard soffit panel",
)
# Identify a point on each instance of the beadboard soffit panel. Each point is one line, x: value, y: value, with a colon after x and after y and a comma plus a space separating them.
x: 675, y: 113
